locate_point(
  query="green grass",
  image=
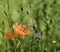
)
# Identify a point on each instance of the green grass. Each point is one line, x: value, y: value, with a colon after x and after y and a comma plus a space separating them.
x: 41, y: 16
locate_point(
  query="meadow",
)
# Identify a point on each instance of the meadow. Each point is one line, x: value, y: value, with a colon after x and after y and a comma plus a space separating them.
x: 29, y: 25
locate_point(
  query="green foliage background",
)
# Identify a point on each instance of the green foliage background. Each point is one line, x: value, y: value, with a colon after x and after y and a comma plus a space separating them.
x: 43, y: 14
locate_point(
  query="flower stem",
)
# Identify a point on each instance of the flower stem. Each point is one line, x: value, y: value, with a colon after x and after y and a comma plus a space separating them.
x: 14, y: 45
x: 22, y: 50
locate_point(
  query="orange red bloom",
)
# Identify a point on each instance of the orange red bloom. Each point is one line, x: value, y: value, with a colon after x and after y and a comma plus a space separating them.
x: 10, y: 35
x: 21, y: 30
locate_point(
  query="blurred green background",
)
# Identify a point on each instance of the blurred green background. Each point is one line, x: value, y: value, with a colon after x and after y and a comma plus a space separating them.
x: 41, y: 16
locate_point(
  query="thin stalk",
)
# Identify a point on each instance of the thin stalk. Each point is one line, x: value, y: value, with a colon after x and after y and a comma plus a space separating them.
x: 15, y: 45
x: 22, y: 50
x: 33, y: 46
x: 54, y: 47
x: 8, y: 14
x: 42, y: 47
x: 28, y: 42
x: 8, y: 10
x: 42, y: 44
x: 3, y: 33
x: 29, y: 48
x: 3, y: 43
x: 39, y: 46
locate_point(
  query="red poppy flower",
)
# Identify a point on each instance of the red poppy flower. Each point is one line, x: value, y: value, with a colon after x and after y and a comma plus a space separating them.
x: 10, y: 35
x: 21, y: 30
